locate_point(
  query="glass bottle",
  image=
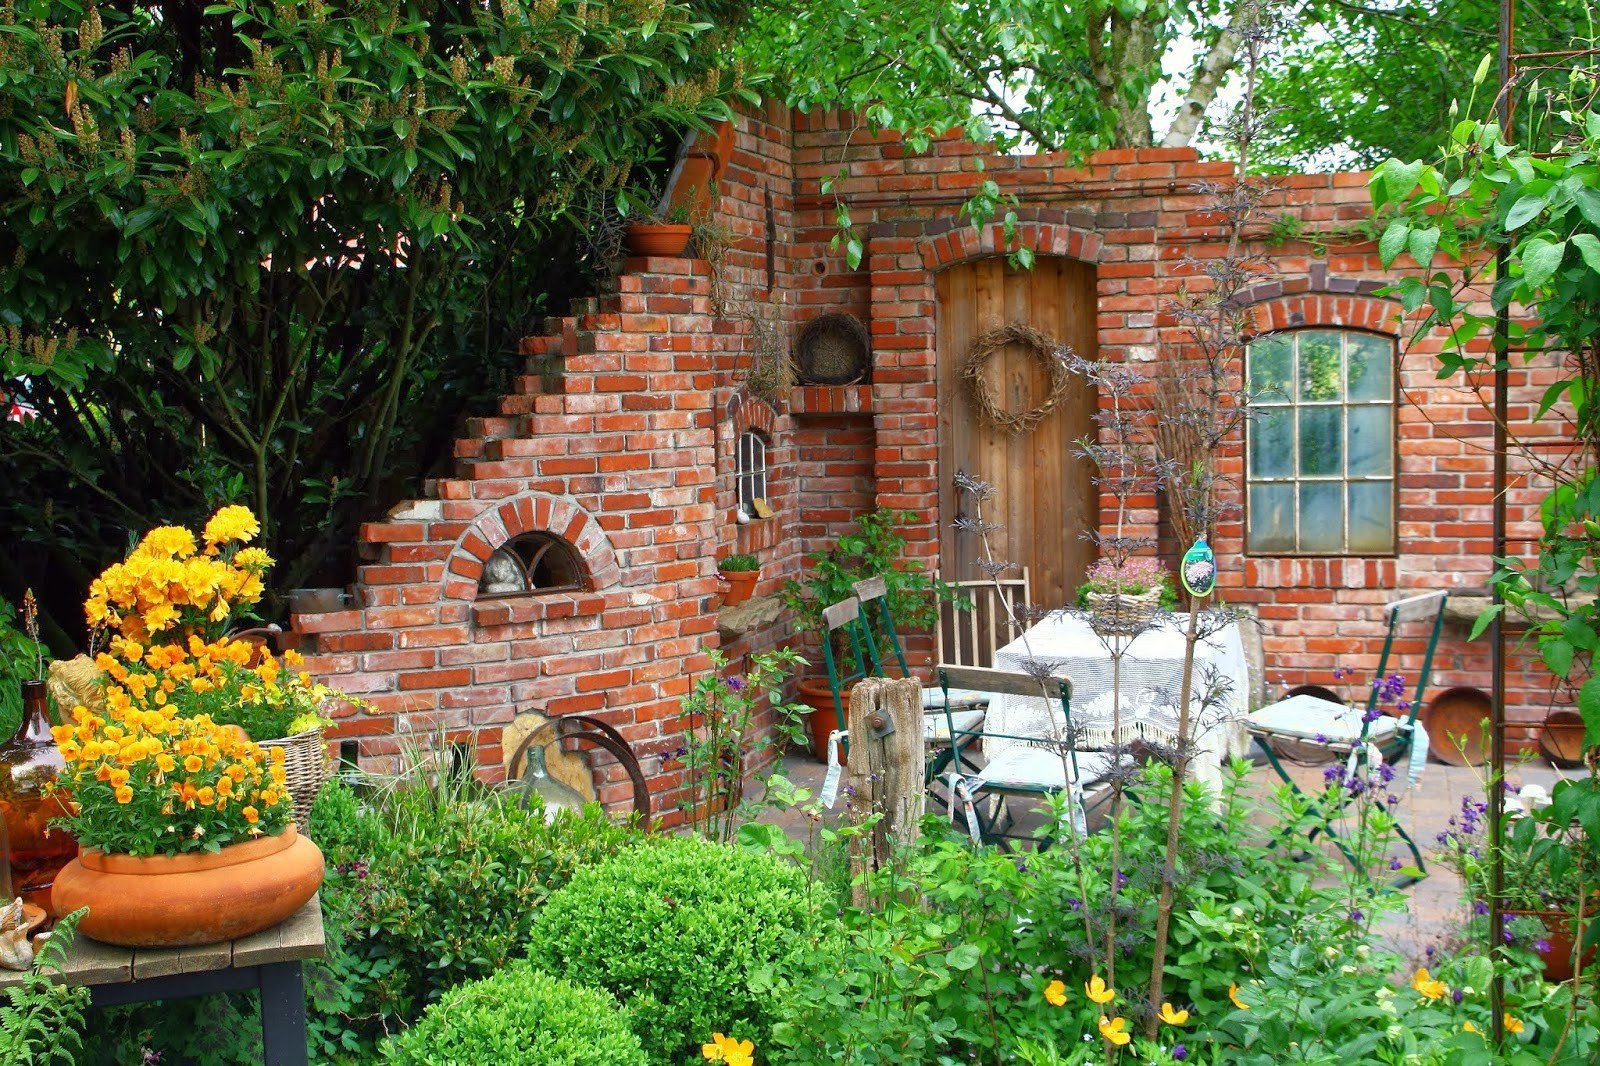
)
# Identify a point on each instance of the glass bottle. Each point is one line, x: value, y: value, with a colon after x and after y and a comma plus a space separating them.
x: 29, y: 763
x: 536, y: 781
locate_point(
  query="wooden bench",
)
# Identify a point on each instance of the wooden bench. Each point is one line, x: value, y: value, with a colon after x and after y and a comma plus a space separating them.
x: 269, y: 962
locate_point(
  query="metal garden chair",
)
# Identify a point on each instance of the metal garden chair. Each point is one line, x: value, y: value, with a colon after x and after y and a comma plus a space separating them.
x: 1030, y: 769
x: 1353, y: 733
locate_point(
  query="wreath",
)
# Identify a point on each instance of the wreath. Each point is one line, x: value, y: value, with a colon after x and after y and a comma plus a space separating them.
x: 1046, y: 349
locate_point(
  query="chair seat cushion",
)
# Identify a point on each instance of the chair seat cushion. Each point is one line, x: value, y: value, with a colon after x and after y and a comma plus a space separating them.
x: 1319, y: 721
x: 1039, y: 769
x: 934, y: 726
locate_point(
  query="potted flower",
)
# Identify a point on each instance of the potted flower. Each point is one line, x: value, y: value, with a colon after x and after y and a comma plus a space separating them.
x: 875, y: 549
x: 664, y: 232
x: 740, y: 573
x: 1123, y: 596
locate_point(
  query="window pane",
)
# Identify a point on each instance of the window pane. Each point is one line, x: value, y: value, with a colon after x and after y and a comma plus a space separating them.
x: 1321, y: 516
x: 1271, y: 518
x: 1371, y: 516
x: 1272, y: 443
x: 1370, y: 440
x: 1271, y: 365
x: 1370, y: 360
x: 1319, y: 365
x: 1320, y: 446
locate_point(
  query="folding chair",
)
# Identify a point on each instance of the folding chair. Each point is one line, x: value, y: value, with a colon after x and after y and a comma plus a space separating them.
x: 1030, y: 769
x: 1347, y: 732
x: 876, y: 617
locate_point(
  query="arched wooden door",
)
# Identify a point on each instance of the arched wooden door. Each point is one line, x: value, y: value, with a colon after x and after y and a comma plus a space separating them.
x: 1044, y: 492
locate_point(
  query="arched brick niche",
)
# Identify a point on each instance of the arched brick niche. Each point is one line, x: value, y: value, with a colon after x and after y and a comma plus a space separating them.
x: 746, y: 413
x: 1273, y: 310
x: 946, y: 241
x: 531, y: 512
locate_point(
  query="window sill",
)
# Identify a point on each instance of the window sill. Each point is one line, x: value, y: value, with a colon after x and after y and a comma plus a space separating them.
x: 512, y: 610
x: 757, y: 535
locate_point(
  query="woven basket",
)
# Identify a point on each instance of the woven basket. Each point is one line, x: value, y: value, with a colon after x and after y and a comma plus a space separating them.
x: 306, y: 769
x: 1122, y: 614
x: 834, y: 349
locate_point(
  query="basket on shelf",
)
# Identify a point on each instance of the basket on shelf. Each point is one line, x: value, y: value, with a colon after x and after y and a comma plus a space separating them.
x: 306, y: 769
x: 1123, y: 613
x: 834, y: 349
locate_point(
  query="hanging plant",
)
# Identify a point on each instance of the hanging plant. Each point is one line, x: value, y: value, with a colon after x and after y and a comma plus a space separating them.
x: 1041, y: 346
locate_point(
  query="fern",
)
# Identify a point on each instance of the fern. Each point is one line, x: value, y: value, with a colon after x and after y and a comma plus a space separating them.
x: 42, y: 1021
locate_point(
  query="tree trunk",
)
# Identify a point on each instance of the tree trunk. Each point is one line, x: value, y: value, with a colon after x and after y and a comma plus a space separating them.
x: 1130, y: 44
x: 1218, y: 62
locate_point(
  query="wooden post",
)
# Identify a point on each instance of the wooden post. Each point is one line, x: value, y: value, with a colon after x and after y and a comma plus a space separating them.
x: 886, y: 765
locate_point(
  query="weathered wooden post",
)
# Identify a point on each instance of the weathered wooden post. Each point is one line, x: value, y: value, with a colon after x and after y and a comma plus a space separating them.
x: 886, y: 765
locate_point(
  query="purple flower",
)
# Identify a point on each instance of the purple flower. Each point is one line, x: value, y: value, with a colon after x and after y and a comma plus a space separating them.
x: 736, y: 684
x: 1321, y: 738
x: 1394, y: 864
x: 1122, y: 879
x: 1542, y: 946
x: 1179, y: 1052
x: 1480, y: 908
x: 1357, y: 916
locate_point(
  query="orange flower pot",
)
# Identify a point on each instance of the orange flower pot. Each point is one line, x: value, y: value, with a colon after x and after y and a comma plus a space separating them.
x: 200, y: 898
x: 668, y: 239
x: 741, y: 583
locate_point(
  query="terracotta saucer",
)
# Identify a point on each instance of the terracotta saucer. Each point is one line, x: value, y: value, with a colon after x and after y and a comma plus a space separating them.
x: 1455, y: 726
x: 1561, y: 738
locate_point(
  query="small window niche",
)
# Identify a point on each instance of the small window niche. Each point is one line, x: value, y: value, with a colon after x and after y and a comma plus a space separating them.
x: 751, y: 476
x: 532, y: 564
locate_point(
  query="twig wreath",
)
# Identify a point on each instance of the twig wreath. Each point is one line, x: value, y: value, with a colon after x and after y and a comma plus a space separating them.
x: 1046, y: 349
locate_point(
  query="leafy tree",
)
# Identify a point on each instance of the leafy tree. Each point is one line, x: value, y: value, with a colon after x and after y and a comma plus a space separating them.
x: 267, y: 250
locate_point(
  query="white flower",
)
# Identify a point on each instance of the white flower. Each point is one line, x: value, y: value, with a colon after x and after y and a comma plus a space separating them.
x: 1362, y: 951
x: 1395, y: 1031
x: 1238, y: 912
x: 1330, y: 952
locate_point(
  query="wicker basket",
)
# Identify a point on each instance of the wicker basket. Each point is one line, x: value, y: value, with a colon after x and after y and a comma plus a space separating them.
x: 834, y: 349
x: 1122, y: 614
x: 306, y: 769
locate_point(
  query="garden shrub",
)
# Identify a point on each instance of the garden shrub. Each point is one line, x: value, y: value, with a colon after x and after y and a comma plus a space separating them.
x: 519, y: 1017
x: 430, y: 886
x: 679, y: 930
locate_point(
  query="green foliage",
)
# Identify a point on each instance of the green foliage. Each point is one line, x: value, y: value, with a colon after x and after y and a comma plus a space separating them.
x: 519, y: 1017
x: 267, y: 251
x: 429, y: 886
x: 20, y: 658
x: 739, y: 564
x: 678, y: 930
x: 42, y: 1020
x: 876, y: 549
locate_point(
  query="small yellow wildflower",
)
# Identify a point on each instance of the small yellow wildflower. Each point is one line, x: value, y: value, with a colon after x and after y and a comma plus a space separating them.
x: 1173, y: 1017
x: 1055, y: 994
x: 1427, y: 987
x: 1514, y: 1026
x: 1233, y: 997
x: 1115, y: 1030
x: 1098, y: 991
x: 728, y: 1050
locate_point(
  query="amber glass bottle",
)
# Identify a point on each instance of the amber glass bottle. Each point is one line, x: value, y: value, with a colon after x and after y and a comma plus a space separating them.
x: 29, y: 764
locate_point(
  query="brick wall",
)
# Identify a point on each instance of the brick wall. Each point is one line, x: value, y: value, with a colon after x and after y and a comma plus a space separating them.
x: 621, y: 438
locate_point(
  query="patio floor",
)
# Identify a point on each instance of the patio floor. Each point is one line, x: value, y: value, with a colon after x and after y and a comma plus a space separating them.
x: 1435, y: 912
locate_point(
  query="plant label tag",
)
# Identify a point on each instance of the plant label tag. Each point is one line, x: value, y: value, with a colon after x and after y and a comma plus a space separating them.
x: 964, y: 795
x: 830, y: 784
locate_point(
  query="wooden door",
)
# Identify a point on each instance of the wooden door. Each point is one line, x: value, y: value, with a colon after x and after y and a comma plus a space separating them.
x: 1044, y: 493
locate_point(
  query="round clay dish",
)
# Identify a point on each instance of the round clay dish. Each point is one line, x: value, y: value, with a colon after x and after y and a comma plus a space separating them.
x: 1458, y: 714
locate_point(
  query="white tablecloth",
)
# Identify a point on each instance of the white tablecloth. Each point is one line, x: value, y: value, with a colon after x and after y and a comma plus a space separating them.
x: 1150, y: 684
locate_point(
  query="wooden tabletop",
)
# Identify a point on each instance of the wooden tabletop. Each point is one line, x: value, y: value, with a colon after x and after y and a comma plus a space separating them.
x: 90, y: 962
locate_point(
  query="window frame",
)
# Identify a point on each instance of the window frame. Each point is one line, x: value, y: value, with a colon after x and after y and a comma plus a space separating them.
x: 548, y: 542
x: 1343, y: 478
x: 750, y: 445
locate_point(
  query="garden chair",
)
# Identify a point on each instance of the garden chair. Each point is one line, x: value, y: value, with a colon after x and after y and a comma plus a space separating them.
x: 1357, y: 733
x: 1029, y: 769
x: 985, y: 615
x: 846, y: 619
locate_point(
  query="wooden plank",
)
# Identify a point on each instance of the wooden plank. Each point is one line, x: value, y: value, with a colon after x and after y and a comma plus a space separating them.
x: 301, y: 937
x: 197, y: 958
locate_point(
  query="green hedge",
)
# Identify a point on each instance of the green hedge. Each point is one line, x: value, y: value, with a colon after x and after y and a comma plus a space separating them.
x: 519, y: 1017
x: 676, y: 929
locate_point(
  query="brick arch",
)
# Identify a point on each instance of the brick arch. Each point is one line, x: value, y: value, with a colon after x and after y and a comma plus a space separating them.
x: 530, y: 512
x: 751, y: 412
x: 1272, y: 311
x: 945, y: 242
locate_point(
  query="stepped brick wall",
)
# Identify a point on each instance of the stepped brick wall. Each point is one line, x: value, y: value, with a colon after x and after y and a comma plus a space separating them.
x: 620, y: 439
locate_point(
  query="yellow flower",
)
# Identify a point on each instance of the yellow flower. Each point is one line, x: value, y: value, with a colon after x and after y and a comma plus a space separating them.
x: 124, y: 794
x: 251, y: 815
x: 1173, y: 1017
x: 1115, y: 1030
x: 1468, y: 1027
x: 1055, y: 994
x: 1098, y: 991
x: 193, y: 764
x: 727, y: 1049
x: 230, y: 524
x: 1427, y: 987
x: 1514, y: 1026
x: 1233, y: 997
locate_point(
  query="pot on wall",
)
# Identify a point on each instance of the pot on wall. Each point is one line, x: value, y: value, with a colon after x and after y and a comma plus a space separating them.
x: 196, y: 898
x: 668, y: 239
x: 741, y: 584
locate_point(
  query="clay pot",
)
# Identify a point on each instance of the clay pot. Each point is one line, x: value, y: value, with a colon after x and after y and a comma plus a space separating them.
x: 1558, y: 934
x: 201, y: 898
x: 741, y: 583
x: 669, y: 239
x: 823, y: 719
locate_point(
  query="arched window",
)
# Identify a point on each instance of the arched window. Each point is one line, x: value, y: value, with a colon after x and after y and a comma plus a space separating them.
x: 1320, y: 444
x: 532, y: 563
x: 751, y: 475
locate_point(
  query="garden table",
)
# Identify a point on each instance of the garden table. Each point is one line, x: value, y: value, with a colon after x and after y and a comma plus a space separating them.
x: 269, y: 962
x: 1151, y: 676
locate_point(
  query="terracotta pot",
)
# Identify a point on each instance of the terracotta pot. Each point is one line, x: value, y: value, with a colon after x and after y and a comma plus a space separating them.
x: 204, y: 898
x: 741, y: 583
x: 670, y: 239
x: 1558, y: 934
x: 823, y: 719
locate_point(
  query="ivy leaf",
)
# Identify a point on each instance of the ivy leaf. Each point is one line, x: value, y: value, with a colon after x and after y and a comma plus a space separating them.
x: 1589, y: 247
x: 1540, y: 258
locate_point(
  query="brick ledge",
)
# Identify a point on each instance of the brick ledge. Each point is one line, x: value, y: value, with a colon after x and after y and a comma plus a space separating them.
x: 830, y: 399
x: 516, y: 609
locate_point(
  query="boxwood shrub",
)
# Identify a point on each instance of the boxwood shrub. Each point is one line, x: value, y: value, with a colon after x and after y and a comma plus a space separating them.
x: 519, y: 1017
x: 676, y: 929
